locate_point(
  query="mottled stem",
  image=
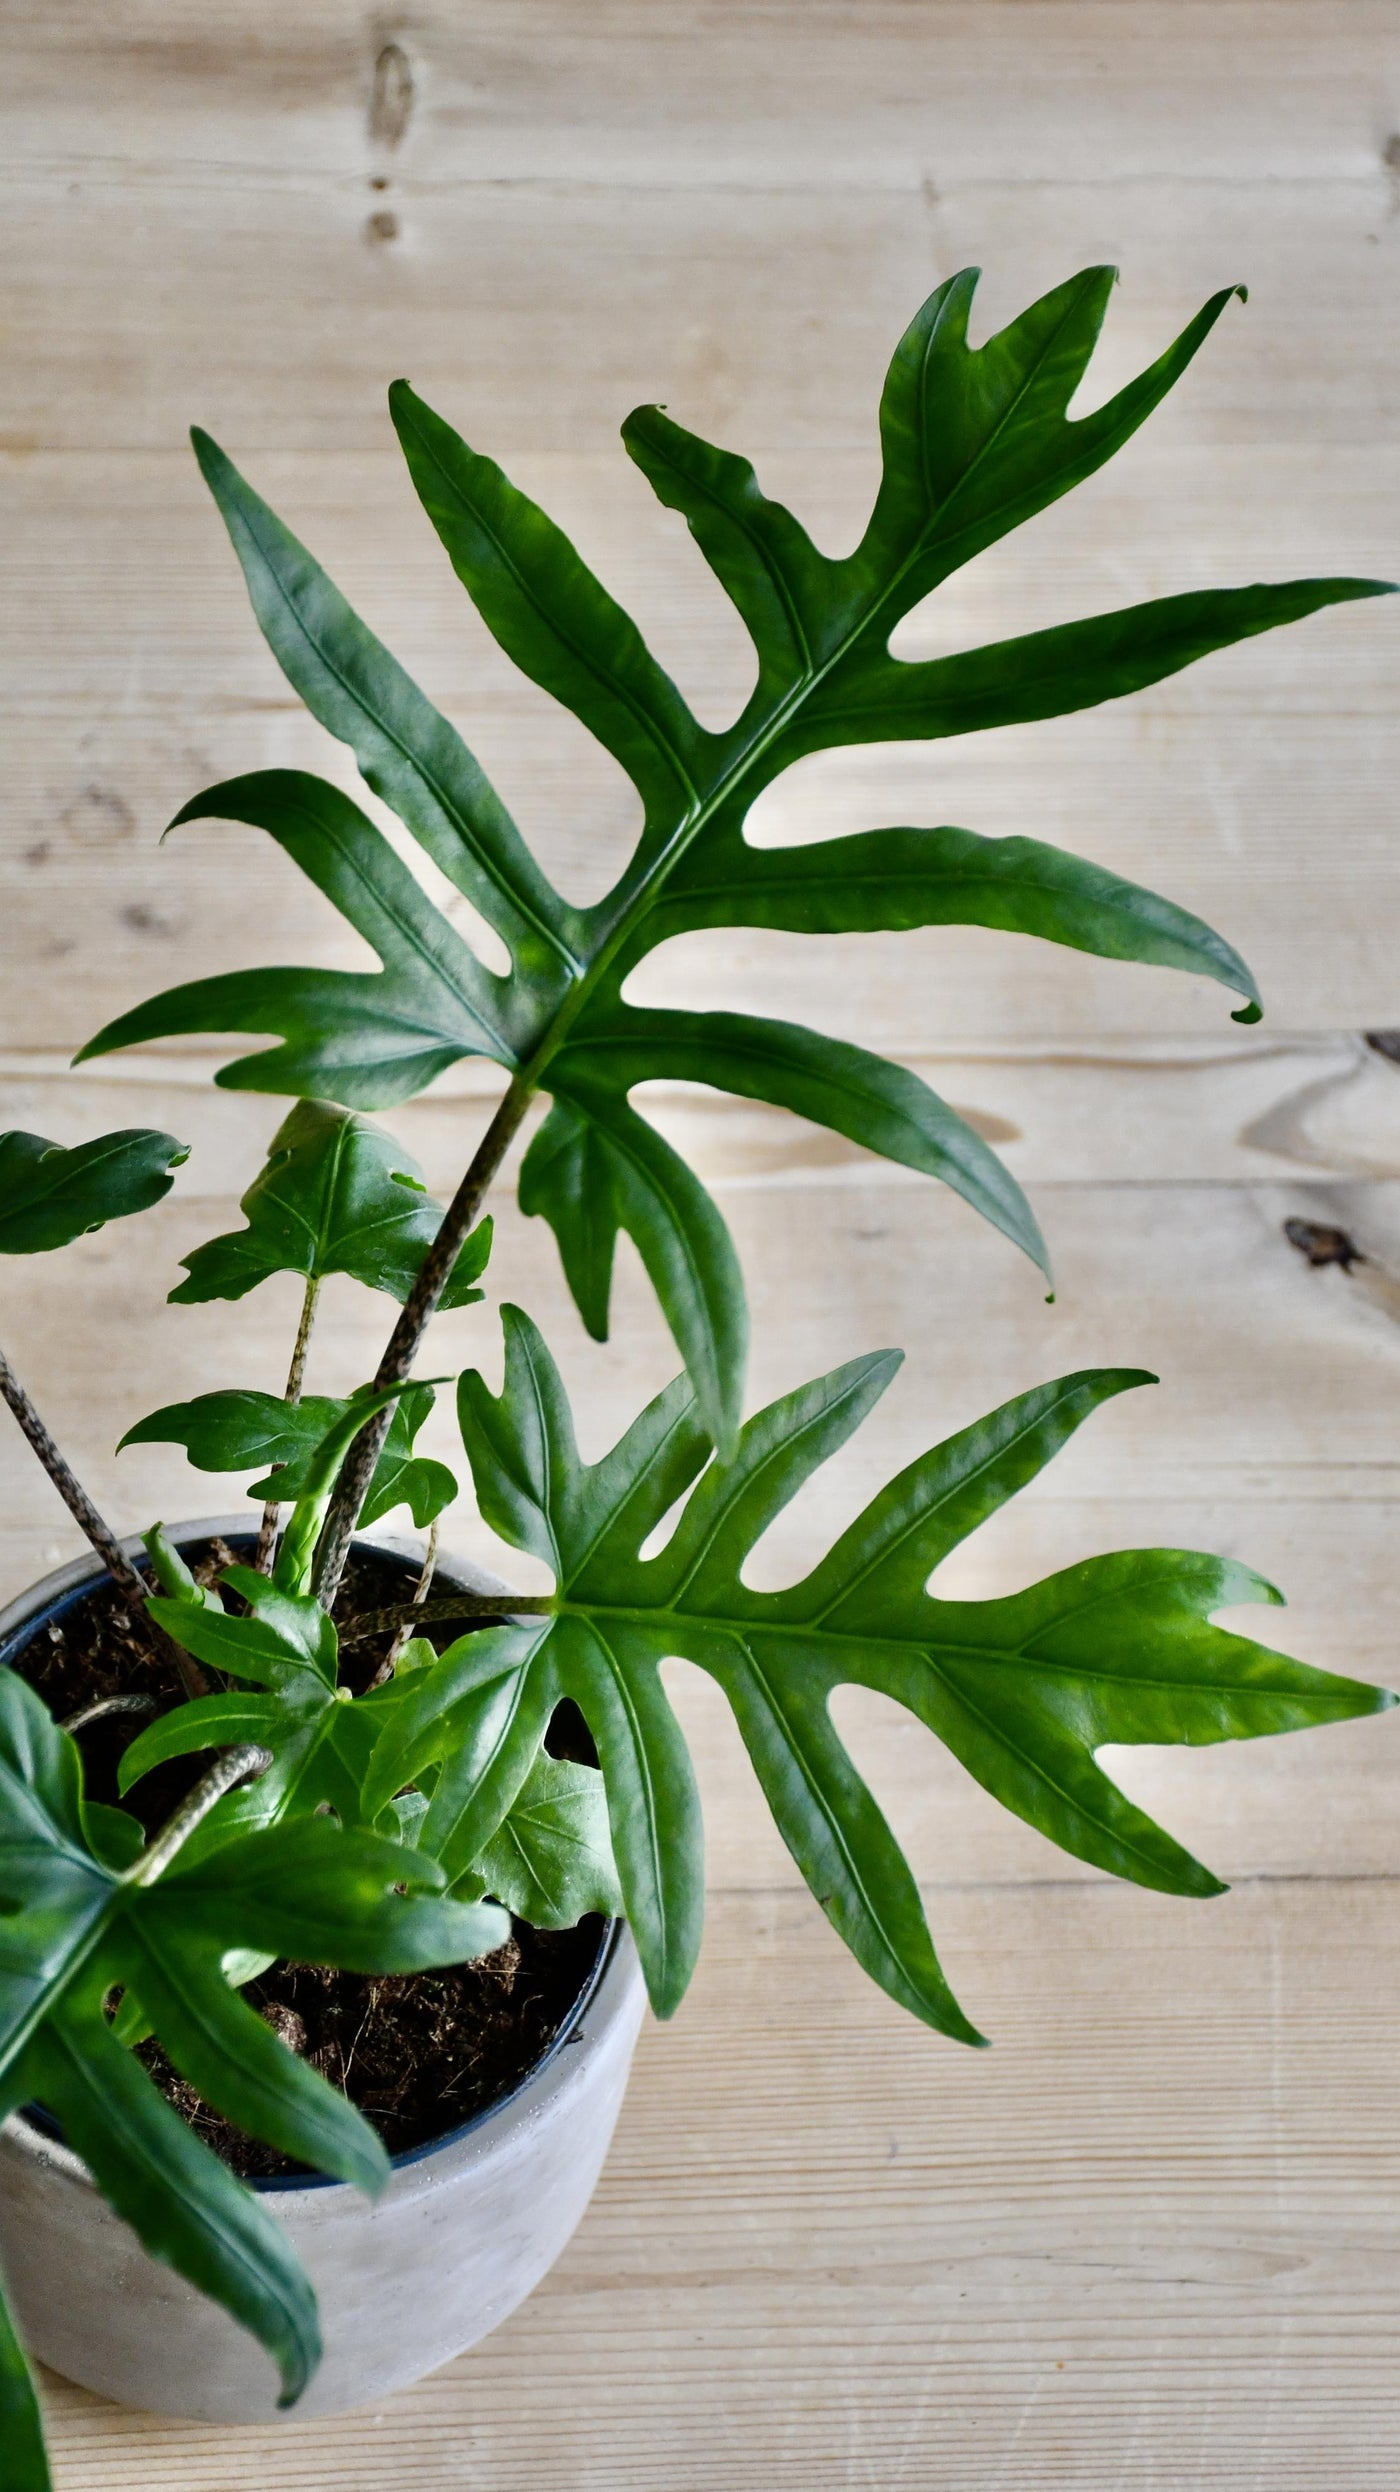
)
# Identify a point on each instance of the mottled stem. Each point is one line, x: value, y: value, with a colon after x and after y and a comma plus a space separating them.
x: 105, y: 1705
x: 295, y: 1376
x: 413, y: 1613
x: 236, y: 1765
x: 82, y: 1509
x: 433, y: 1275
x: 495, y: 1605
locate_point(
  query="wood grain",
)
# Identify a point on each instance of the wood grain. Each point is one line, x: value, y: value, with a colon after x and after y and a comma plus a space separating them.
x: 1149, y: 2242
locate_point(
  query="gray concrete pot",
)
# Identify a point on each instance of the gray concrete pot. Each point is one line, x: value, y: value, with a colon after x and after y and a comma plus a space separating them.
x: 463, y: 2232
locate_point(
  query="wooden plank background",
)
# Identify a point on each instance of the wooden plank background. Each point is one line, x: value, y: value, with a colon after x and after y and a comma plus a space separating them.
x: 1152, y: 2240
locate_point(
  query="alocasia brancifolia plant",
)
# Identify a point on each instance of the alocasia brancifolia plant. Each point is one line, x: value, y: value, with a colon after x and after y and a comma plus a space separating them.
x: 390, y: 1826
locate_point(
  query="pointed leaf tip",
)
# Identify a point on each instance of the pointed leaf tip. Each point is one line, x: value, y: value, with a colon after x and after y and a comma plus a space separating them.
x: 1249, y: 1013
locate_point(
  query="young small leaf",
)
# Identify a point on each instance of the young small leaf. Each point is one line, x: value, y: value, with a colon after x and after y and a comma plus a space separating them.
x: 337, y: 1194
x: 551, y: 1859
x: 241, y: 1431
x: 48, y: 1196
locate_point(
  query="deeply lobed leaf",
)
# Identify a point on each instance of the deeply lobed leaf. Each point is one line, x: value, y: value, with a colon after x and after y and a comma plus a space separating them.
x: 1024, y: 1689
x: 974, y: 441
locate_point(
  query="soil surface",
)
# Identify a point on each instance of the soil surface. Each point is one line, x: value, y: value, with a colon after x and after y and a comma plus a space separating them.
x: 418, y: 2053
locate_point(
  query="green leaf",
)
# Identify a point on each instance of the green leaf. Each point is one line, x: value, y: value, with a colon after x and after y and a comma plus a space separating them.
x: 206, y: 1721
x: 304, y: 1889
x: 286, y: 1646
x: 1049, y: 674
x: 596, y: 1167
x: 1024, y: 1689
x: 549, y: 612
x: 241, y: 2068
x: 367, y: 1038
x: 72, y: 1927
x: 288, y: 1643
x: 974, y: 442
x: 184, y: 2204
x: 406, y: 750
x: 321, y: 1740
x: 337, y: 1194
x: 890, y: 880
x: 21, y: 2425
x: 879, y: 1105
x: 499, y: 1710
x: 243, y: 1430
x: 550, y: 1859
x: 49, y: 1196
x: 296, y: 1551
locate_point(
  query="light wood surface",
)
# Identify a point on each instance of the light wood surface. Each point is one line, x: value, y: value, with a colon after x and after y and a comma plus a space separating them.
x: 1151, y: 2241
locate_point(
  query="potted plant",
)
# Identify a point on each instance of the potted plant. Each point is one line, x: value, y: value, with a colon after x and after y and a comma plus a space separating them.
x: 401, y: 1754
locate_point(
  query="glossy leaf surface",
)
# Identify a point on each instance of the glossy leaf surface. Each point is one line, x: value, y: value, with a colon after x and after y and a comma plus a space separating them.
x: 241, y: 1431
x: 551, y: 1858
x: 974, y: 441
x: 49, y: 1196
x: 287, y: 1651
x: 1024, y: 1690
x: 337, y: 1194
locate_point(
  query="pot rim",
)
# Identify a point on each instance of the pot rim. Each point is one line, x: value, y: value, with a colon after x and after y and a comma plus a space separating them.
x: 55, y: 1592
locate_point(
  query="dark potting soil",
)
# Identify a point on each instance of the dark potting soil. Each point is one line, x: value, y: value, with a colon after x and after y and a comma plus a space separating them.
x: 418, y: 2053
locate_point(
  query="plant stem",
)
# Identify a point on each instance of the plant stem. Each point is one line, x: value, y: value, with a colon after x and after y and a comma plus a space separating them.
x: 267, y: 1533
x: 236, y: 1765
x: 76, y: 1498
x: 494, y: 1605
x: 105, y: 1705
x: 421, y: 1590
x: 433, y: 1275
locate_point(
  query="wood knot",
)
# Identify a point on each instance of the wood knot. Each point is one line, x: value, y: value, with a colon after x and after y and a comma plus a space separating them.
x: 391, y: 96
x: 1319, y: 1244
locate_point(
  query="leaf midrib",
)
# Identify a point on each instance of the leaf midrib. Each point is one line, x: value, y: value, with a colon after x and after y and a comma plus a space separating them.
x: 611, y: 685
x: 414, y: 941
x: 797, y: 1751
x: 967, y: 1480
x: 772, y: 569
x: 495, y: 872
x: 636, y: 905
x: 907, y: 1648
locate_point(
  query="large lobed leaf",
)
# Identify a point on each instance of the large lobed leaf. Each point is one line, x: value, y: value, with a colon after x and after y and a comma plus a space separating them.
x: 974, y: 441
x: 336, y: 1194
x: 1024, y: 1690
x: 72, y: 1926
x: 49, y: 1196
